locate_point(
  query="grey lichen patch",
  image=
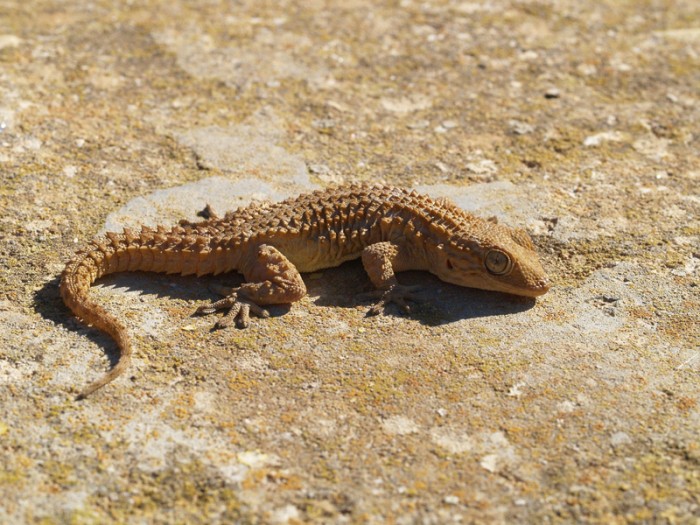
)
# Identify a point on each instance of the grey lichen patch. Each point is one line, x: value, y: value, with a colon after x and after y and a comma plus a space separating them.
x: 240, y: 65
x: 250, y: 149
x: 168, y: 206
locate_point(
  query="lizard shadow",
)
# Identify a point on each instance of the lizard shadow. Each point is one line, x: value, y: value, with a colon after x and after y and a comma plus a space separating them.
x: 48, y: 303
x: 438, y: 302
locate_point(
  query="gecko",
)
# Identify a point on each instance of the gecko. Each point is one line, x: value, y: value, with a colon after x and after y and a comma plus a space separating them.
x: 391, y: 229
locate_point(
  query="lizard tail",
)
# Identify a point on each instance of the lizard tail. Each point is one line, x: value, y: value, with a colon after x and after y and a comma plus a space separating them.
x: 173, y: 251
x: 76, y: 280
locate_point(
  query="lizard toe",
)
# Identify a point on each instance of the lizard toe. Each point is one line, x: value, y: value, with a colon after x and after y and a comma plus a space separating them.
x: 258, y: 311
x: 243, y: 318
x: 237, y: 310
x: 227, y: 319
x: 222, y: 304
x: 397, y: 294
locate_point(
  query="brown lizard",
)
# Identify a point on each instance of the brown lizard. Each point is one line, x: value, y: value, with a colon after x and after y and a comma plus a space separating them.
x: 391, y: 229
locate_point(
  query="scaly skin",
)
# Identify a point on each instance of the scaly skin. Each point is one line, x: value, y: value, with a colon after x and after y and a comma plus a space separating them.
x: 391, y: 229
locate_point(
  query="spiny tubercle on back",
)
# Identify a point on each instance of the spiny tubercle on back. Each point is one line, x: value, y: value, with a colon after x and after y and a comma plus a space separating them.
x: 292, y: 216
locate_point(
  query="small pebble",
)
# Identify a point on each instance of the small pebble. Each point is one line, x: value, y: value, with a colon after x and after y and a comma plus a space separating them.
x: 619, y: 439
x: 319, y: 169
x: 323, y: 124
x: 552, y: 93
x: 520, y: 128
x: 420, y: 124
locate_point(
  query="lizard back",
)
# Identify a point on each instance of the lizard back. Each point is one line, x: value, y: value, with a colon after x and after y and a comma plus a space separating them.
x: 328, y: 227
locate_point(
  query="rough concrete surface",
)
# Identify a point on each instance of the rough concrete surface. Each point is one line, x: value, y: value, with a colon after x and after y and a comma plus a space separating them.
x: 577, y: 120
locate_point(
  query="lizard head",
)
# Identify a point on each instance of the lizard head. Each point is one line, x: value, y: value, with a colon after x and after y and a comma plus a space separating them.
x: 492, y: 257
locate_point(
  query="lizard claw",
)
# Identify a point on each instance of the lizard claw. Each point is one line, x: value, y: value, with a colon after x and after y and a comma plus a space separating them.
x: 238, y: 310
x: 397, y: 294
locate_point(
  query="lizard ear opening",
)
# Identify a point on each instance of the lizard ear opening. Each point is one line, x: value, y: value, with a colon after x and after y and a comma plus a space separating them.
x: 449, y: 265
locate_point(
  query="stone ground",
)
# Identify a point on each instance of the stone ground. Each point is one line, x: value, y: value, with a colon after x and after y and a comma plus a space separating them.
x: 577, y: 120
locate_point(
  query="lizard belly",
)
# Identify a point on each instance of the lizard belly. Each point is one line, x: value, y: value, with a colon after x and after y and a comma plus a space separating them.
x: 309, y: 255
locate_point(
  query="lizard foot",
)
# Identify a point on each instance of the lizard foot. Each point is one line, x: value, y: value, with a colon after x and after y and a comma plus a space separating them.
x: 237, y: 308
x: 397, y: 294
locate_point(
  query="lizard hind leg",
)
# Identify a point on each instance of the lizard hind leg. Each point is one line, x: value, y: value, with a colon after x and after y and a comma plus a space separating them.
x: 271, y: 279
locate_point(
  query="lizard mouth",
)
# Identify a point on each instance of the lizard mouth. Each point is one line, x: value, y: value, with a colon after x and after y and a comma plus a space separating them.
x: 541, y: 287
x: 536, y: 289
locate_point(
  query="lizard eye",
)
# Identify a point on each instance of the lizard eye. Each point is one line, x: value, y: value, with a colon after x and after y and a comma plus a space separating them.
x: 498, y: 263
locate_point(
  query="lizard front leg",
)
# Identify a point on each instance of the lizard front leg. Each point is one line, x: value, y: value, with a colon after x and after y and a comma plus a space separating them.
x: 270, y: 279
x: 381, y: 261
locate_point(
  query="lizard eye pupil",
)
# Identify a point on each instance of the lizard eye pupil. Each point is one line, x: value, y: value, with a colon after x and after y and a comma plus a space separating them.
x: 498, y: 263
